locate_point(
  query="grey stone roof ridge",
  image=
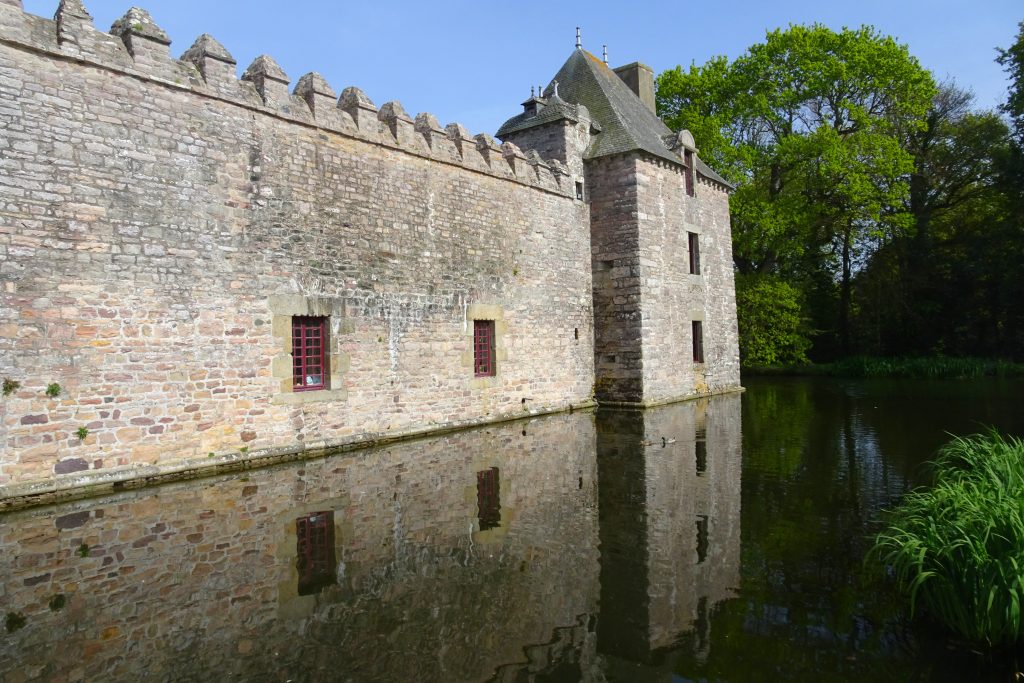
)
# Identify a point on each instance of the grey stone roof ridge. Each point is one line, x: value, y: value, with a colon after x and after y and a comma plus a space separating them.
x: 625, y: 122
x: 553, y: 111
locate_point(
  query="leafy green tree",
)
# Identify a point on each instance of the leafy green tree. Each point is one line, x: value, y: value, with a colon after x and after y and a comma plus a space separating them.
x: 1012, y: 59
x: 773, y: 330
x: 807, y: 126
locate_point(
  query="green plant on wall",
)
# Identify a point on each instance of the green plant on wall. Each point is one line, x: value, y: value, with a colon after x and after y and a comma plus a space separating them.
x: 14, y: 621
x: 81, y: 433
x: 53, y: 390
x: 10, y: 386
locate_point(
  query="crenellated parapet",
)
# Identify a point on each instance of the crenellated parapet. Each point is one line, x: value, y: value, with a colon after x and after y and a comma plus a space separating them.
x: 136, y: 46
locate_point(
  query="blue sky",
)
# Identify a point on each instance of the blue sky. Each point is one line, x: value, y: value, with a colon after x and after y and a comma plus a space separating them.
x: 474, y: 62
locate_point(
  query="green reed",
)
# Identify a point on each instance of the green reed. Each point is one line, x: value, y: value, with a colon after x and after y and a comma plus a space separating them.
x: 957, y: 548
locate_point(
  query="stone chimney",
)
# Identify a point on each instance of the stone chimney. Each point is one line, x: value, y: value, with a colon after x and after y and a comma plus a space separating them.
x: 640, y: 79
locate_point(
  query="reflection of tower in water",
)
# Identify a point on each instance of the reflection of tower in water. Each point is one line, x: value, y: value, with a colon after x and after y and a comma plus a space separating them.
x: 669, y: 497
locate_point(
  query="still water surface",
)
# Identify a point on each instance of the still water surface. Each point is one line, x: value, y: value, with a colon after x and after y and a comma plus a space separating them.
x: 714, y: 540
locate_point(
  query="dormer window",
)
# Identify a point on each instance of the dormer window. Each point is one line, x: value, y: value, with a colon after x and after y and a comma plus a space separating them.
x: 532, y: 106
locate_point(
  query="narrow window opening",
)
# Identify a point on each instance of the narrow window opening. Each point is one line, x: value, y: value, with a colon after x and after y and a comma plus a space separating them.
x: 314, y: 550
x: 698, y: 341
x: 688, y: 160
x: 579, y: 191
x: 483, y: 348
x: 693, y: 244
x: 309, y: 353
x: 576, y: 333
x: 488, y: 499
x: 605, y: 265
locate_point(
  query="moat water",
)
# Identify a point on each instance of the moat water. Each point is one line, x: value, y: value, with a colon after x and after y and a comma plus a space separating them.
x: 715, y: 540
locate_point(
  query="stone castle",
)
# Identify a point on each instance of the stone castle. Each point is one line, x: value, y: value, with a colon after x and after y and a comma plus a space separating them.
x: 199, y: 271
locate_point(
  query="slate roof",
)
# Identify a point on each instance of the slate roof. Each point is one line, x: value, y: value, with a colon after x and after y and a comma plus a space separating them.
x: 626, y: 123
x: 554, y: 109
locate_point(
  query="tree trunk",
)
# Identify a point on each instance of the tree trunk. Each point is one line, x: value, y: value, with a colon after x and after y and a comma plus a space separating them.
x: 844, y: 291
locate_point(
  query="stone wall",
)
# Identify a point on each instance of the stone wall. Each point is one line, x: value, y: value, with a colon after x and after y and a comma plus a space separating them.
x: 645, y: 298
x: 672, y: 298
x: 618, y: 359
x: 161, y: 221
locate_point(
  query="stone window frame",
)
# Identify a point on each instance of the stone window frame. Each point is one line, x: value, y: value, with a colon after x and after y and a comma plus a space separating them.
x: 284, y: 307
x: 496, y: 314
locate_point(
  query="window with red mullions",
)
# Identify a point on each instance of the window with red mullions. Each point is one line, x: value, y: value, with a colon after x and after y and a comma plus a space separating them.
x: 483, y: 348
x: 309, y: 353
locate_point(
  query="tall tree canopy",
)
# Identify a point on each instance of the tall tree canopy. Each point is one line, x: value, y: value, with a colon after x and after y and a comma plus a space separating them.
x: 811, y: 126
x: 808, y: 126
x: 1012, y: 59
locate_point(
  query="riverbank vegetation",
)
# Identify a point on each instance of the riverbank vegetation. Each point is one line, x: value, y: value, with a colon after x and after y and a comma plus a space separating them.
x: 956, y: 549
x: 877, y: 211
x: 868, y: 367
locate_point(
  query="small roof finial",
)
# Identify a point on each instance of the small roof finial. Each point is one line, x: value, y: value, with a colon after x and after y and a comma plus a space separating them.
x: 579, y: 40
x: 531, y: 91
x: 605, y: 56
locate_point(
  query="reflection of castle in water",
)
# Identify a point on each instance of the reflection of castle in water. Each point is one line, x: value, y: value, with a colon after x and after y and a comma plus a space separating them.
x: 669, y: 496
x: 512, y: 553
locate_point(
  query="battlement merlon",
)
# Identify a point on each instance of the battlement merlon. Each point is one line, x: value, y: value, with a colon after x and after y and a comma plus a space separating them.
x: 138, y: 47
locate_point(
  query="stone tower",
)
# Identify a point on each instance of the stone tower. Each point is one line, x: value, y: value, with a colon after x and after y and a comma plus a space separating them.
x: 661, y: 246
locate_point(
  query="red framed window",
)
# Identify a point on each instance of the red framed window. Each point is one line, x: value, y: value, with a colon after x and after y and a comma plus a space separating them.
x: 693, y: 243
x: 483, y: 348
x: 698, y: 341
x: 309, y: 353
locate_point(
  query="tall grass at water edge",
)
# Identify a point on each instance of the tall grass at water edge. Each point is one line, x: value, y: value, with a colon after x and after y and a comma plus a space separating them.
x: 934, y: 367
x: 957, y: 548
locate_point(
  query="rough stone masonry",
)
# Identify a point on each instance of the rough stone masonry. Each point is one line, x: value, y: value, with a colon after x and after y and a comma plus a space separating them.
x: 166, y: 228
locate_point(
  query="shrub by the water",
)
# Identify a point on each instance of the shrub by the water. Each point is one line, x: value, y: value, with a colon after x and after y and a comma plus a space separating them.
x: 957, y: 548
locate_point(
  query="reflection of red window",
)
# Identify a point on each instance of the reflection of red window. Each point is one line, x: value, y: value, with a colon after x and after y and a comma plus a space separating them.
x: 314, y: 550
x: 309, y: 353
x: 488, y: 500
x: 483, y: 348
